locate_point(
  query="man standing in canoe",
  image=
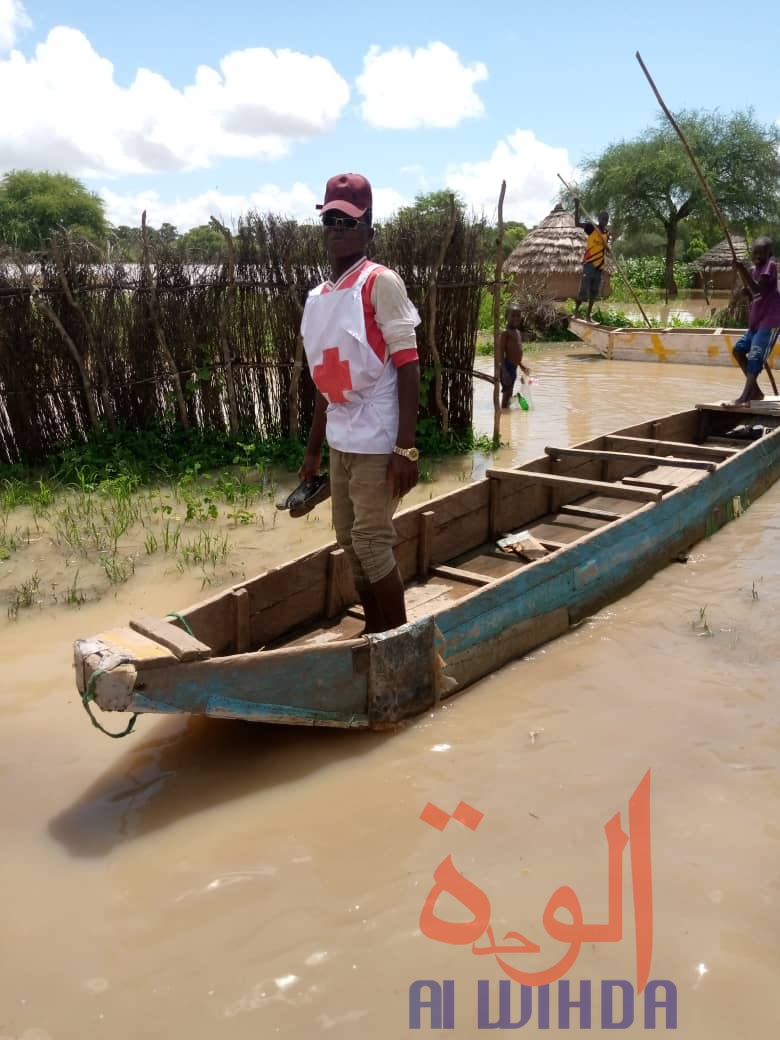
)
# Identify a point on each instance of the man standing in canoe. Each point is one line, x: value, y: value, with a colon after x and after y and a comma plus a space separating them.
x: 594, y: 259
x: 751, y: 351
x: 358, y: 333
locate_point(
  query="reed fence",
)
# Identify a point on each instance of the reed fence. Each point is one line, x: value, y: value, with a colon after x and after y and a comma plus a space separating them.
x: 84, y: 344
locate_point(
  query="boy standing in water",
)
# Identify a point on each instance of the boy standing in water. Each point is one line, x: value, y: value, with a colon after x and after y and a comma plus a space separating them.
x: 752, y: 350
x: 510, y: 350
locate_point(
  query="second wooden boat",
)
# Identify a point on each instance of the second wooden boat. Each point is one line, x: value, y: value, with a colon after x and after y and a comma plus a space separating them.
x: 689, y: 346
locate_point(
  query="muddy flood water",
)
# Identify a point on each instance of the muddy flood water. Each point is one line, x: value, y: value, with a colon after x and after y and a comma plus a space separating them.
x: 219, y: 880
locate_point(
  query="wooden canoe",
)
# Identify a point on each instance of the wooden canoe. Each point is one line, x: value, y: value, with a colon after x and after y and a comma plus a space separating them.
x: 691, y: 346
x: 283, y: 646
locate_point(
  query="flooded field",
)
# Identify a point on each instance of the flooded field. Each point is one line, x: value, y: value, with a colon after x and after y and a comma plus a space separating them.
x: 212, y: 879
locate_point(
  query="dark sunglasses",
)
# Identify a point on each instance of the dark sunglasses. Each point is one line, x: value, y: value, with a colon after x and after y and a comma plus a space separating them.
x: 331, y: 220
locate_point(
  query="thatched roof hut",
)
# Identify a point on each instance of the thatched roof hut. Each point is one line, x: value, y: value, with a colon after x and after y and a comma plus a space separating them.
x: 550, y: 256
x: 716, y: 266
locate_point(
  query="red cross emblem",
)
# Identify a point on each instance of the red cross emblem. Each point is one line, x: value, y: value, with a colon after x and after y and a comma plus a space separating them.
x: 333, y: 376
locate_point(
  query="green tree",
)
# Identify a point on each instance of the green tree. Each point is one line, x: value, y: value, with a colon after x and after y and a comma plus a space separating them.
x: 35, y: 205
x: 650, y: 184
x: 203, y: 244
x: 124, y: 244
x: 514, y: 232
x: 433, y: 206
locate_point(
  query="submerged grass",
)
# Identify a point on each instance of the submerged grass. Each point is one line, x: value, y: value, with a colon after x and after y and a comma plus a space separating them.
x: 126, y: 497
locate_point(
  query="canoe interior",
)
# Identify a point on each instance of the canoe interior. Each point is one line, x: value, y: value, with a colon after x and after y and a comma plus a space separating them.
x: 446, y: 548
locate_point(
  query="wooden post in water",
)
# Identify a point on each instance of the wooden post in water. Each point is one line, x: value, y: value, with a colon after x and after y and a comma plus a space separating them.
x: 497, y: 317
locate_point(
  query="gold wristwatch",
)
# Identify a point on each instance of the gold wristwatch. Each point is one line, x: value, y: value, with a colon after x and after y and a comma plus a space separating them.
x: 408, y: 453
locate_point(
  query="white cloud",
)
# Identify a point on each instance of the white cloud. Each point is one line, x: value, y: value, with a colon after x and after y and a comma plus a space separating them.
x: 529, y: 167
x: 299, y: 202
x: 13, y: 20
x: 69, y: 113
x: 430, y: 87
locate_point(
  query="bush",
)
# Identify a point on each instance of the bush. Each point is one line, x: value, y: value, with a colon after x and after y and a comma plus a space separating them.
x: 648, y: 272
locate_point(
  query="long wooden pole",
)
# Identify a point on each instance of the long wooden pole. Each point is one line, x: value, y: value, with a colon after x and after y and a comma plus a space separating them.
x: 622, y: 273
x: 702, y: 180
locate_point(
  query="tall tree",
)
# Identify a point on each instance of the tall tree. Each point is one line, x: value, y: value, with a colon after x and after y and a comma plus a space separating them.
x: 202, y: 244
x: 35, y: 205
x: 649, y: 183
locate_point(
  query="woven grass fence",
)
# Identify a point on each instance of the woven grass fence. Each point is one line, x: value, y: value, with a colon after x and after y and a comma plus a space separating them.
x: 214, y: 347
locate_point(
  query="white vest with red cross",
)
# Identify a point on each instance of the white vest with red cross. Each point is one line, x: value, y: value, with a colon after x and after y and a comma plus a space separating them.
x: 350, y: 364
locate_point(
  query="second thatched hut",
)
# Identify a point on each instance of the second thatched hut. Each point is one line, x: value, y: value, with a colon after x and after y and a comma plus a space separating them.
x: 550, y: 257
x: 715, y: 268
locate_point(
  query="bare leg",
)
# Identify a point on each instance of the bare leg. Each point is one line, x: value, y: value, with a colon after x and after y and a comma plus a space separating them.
x: 751, y: 391
x: 506, y: 397
x: 741, y: 359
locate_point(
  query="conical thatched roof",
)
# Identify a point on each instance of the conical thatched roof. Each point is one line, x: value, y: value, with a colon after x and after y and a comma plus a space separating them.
x: 719, y: 258
x: 554, y: 246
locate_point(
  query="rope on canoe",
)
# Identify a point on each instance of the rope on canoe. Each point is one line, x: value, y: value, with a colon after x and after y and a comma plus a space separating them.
x: 89, y: 695
x: 89, y: 692
x: 183, y: 621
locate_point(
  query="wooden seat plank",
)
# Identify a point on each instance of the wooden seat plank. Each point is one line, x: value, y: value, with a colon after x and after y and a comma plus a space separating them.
x: 180, y: 643
x: 603, y: 487
x: 457, y: 574
x: 703, y: 451
x: 627, y: 456
x: 595, y: 514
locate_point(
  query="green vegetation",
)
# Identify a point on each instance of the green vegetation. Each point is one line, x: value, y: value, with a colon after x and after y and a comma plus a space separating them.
x: 647, y: 276
x: 125, y: 497
x: 607, y: 315
x: 35, y: 205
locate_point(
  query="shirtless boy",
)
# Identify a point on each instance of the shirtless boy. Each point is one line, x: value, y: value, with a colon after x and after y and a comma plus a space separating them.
x: 510, y: 352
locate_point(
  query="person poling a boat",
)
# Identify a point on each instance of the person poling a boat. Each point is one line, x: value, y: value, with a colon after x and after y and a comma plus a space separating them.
x: 594, y: 258
x: 358, y: 332
x: 752, y: 350
x: 510, y: 346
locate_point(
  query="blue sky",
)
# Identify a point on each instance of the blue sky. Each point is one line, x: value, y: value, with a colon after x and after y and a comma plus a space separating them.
x: 189, y: 109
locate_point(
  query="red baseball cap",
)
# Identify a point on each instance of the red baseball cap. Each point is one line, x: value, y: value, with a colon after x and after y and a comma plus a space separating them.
x: 349, y: 193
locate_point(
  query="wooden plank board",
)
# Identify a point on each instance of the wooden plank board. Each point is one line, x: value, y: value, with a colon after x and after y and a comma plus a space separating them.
x: 628, y: 456
x: 340, y: 588
x: 182, y: 645
x: 490, y: 562
x: 584, y: 524
x: 609, y: 505
x: 595, y: 514
x: 557, y: 534
x: 456, y: 574
x: 556, y: 480
x: 648, y: 482
x: 425, y: 543
x: 145, y: 652
x: 701, y: 451
x: 769, y: 406
x: 243, y: 623
x: 728, y: 442
x: 672, y: 475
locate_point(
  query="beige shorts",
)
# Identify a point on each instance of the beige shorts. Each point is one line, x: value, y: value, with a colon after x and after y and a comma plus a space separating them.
x: 363, y: 513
